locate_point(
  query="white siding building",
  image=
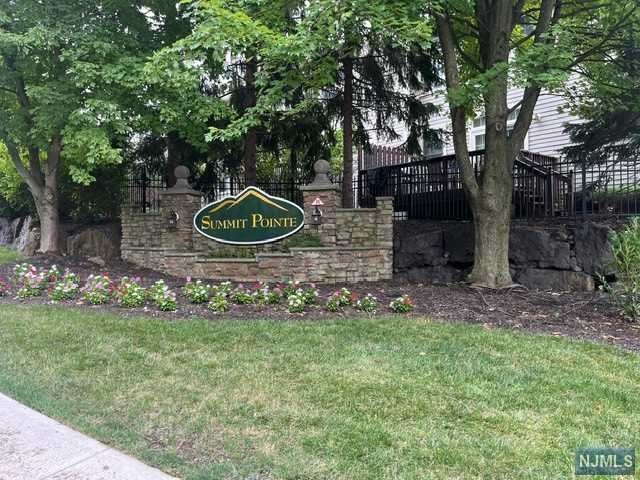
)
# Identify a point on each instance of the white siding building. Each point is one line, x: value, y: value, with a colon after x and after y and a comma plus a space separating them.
x: 546, y: 135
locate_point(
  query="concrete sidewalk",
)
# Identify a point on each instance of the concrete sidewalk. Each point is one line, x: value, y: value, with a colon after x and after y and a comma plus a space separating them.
x: 35, y: 447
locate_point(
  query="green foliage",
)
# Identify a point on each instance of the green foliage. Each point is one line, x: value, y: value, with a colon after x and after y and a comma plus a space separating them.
x: 219, y: 303
x: 626, y: 256
x: 97, y: 289
x: 368, y: 303
x: 163, y: 297
x: 129, y: 292
x: 402, y: 304
x: 65, y: 288
x: 196, y: 292
x: 301, y: 240
x: 29, y: 281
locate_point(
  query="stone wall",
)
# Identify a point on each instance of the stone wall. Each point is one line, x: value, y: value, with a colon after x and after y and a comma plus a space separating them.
x: 318, y: 265
x: 558, y: 256
x: 357, y: 244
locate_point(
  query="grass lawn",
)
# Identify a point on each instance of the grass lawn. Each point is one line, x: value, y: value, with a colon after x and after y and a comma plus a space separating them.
x: 9, y: 255
x: 387, y: 398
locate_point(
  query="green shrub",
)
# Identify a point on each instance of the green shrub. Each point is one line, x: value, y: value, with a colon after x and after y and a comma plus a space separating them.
x: 163, y: 296
x: 219, y: 303
x: 196, y: 292
x: 296, y: 302
x: 368, y: 303
x: 242, y: 296
x: 626, y: 258
x: 97, y: 289
x: 401, y: 304
x: 29, y: 281
x: 302, y: 240
x: 66, y: 287
x: 130, y: 293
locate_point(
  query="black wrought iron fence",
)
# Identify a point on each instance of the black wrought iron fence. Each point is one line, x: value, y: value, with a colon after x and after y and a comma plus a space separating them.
x: 232, y: 186
x: 142, y: 190
x: 543, y: 186
x: 431, y: 188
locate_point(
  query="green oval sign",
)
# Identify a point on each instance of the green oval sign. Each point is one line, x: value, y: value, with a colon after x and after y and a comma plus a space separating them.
x: 250, y: 218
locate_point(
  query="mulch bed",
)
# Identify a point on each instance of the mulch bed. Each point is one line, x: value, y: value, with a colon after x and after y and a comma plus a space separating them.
x: 570, y: 314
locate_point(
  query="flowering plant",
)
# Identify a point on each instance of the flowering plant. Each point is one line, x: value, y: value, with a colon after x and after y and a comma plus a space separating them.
x: 368, y: 303
x: 97, y: 289
x: 196, y: 292
x: 219, y: 303
x: 338, y: 300
x: 29, y: 281
x: 130, y: 293
x: 290, y: 288
x: 223, y: 288
x: 163, y: 296
x: 309, y: 294
x: 265, y: 295
x: 401, y: 304
x: 241, y: 295
x: 296, y: 302
x: 4, y: 288
x: 53, y: 274
x: 66, y: 287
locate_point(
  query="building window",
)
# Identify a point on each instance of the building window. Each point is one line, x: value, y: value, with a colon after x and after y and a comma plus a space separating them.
x: 433, y: 150
x: 479, y: 141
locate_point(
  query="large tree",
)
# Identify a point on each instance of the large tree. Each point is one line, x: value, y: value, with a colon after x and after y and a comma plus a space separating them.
x: 63, y: 66
x: 355, y: 62
x: 487, y: 46
x: 377, y: 56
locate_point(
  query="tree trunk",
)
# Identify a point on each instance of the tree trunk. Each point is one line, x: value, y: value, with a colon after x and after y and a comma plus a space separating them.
x: 347, y: 131
x: 491, y: 221
x: 251, y: 139
x: 47, y: 208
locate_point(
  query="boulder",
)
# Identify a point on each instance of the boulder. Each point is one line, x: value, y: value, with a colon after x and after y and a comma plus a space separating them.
x: 538, y: 247
x: 558, y: 280
x: 417, y: 249
x: 99, y: 241
x: 593, y: 249
x: 6, y: 231
x: 458, y: 242
x: 26, y: 237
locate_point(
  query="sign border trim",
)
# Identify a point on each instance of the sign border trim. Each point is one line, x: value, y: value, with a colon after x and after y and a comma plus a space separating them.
x: 261, y: 242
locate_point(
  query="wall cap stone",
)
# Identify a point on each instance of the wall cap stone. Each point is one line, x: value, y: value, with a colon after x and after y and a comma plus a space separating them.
x: 273, y: 255
x: 319, y: 188
x: 226, y: 260
x: 367, y: 210
x: 335, y: 249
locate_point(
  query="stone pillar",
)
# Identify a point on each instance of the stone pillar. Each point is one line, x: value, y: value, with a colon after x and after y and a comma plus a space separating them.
x: 331, y: 197
x: 181, y: 201
x: 384, y: 221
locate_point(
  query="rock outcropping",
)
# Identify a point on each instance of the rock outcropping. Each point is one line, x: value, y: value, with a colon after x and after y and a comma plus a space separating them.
x: 556, y: 257
x: 99, y: 241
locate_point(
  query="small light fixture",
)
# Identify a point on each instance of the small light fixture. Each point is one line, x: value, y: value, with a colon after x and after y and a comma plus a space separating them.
x: 316, y: 215
x: 172, y: 220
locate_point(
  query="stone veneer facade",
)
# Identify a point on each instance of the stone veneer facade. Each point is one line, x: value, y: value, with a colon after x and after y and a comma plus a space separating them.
x: 357, y: 244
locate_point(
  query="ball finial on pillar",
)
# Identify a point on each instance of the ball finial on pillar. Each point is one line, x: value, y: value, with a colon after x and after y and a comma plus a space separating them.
x: 321, y: 169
